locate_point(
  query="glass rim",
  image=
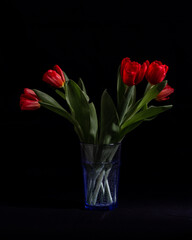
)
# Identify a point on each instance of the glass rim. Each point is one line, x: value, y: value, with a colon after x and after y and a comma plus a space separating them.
x: 100, y: 144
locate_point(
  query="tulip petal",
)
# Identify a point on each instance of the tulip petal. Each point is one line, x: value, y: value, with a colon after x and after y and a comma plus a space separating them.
x: 59, y: 71
x: 132, y: 72
x: 156, y: 72
x: 141, y: 73
x: 53, y: 78
x: 163, y: 95
x: 129, y: 77
x: 123, y: 62
x: 27, y: 104
x: 30, y: 94
x: 29, y: 100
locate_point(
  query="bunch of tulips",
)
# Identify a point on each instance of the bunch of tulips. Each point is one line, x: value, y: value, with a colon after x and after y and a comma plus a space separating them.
x: 116, y: 119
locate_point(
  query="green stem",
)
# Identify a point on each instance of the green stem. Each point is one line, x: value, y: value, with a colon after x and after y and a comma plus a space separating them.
x: 106, y: 185
x: 98, y: 186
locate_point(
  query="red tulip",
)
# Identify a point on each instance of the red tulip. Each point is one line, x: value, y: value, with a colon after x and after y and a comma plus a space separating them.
x: 54, y: 77
x: 163, y: 95
x: 156, y: 72
x: 29, y: 100
x: 132, y: 73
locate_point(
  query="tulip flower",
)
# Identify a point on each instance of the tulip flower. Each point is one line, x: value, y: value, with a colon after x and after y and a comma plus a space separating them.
x: 54, y: 77
x: 132, y: 73
x: 163, y: 95
x: 29, y: 100
x: 156, y: 72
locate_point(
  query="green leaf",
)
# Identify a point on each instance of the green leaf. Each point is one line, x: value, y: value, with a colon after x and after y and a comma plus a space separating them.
x: 128, y: 129
x: 48, y: 102
x: 65, y: 114
x: 80, y: 107
x: 141, y: 104
x: 133, y: 99
x: 129, y: 100
x: 60, y: 93
x: 148, y: 114
x: 150, y: 119
x: 109, y: 128
x: 82, y: 86
x: 44, y: 97
x: 131, y: 111
x: 145, y: 114
x: 151, y: 94
x: 147, y: 88
x: 121, y: 87
x: 93, y: 122
x: 61, y: 112
x: 66, y: 77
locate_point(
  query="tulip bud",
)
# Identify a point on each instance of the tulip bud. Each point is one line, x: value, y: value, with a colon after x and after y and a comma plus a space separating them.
x: 54, y: 77
x: 156, y: 72
x: 132, y: 73
x: 163, y: 95
x: 29, y: 100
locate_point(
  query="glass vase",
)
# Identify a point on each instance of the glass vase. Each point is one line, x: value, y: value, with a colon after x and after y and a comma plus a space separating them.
x: 101, y: 165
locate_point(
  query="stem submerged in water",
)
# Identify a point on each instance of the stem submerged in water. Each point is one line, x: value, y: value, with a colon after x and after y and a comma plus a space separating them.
x: 98, y: 186
x: 98, y: 189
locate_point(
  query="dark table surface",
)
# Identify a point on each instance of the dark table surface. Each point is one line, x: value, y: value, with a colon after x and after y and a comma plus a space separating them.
x: 54, y: 217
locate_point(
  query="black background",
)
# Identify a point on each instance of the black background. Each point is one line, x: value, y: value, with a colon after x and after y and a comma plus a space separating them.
x: 40, y: 155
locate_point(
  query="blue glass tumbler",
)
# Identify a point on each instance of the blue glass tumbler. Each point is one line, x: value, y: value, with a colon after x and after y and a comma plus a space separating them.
x: 101, y: 165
